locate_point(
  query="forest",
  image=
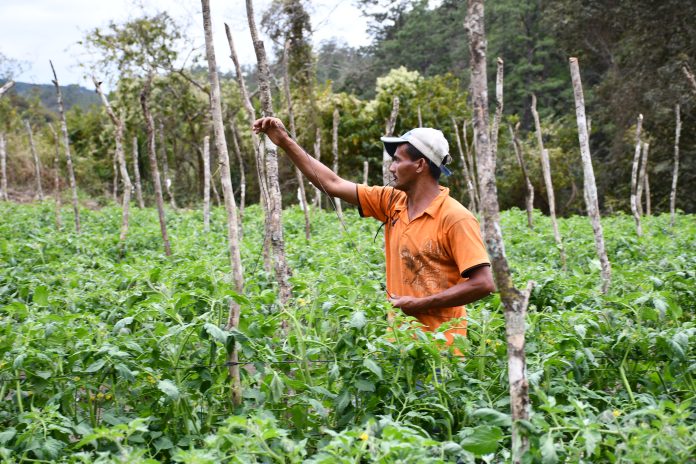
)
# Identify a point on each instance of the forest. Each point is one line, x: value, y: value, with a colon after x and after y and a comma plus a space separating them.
x: 173, y: 290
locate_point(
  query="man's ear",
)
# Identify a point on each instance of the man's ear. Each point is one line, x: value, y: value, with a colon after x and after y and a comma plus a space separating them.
x: 420, y: 165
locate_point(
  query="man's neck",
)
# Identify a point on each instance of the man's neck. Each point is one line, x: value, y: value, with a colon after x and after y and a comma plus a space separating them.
x: 419, y: 197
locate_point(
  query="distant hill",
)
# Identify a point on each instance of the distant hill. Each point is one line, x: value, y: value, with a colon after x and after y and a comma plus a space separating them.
x: 73, y: 95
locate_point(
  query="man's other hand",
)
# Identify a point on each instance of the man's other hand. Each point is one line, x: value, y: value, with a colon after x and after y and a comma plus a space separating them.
x: 273, y: 128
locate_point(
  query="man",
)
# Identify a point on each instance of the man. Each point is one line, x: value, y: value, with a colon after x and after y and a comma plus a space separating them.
x: 436, y: 260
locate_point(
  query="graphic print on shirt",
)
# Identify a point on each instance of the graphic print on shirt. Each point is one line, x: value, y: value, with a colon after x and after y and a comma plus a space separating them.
x: 422, y: 270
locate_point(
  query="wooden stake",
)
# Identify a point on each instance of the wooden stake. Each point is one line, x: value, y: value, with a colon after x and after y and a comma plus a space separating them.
x: 546, y: 171
x: 467, y: 177
x: 590, y: 185
x: 165, y: 166
x: 275, y: 226
x: 242, y: 175
x: 634, y: 177
x: 420, y: 118
x: 56, y: 177
x: 3, y: 168
x: 66, y: 147
x: 37, y: 161
x: 529, y: 193
x: 514, y: 301
x: 387, y: 177
x: 152, y: 155
x: 473, y: 170
x: 317, y: 156
x: 120, y: 155
x: 136, y: 174
x: 206, y: 183
x: 642, y: 176
x: 366, y: 168
x: 230, y: 205
x: 675, y: 168
x: 5, y: 87
x: 498, y: 106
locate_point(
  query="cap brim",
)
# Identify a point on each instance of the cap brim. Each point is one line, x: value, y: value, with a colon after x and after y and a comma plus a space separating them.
x: 390, y: 144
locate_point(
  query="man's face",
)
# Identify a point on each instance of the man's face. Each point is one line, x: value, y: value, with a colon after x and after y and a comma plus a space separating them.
x: 404, y: 170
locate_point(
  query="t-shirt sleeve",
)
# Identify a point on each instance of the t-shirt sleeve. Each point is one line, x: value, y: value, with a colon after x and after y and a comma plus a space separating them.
x: 375, y: 201
x: 466, y: 245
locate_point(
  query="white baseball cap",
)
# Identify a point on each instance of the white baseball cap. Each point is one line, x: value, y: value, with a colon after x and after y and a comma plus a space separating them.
x: 430, y: 142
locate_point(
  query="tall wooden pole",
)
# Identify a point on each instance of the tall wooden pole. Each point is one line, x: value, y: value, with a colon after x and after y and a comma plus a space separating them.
x: 206, y: 183
x: 546, y: 171
x: 6, y: 86
x: 642, y: 176
x: 634, y: 177
x: 56, y: 177
x: 467, y: 176
x: 675, y: 168
x: 3, y: 168
x: 242, y: 175
x: 228, y: 193
x: 275, y: 226
x: 514, y: 301
x: 136, y: 174
x: 498, y: 106
x: 473, y: 171
x: 152, y: 156
x: 165, y: 166
x: 590, y: 185
x: 529, y: 193
x: 66, y: 147
x: 37, y: 161
x: 121, y: 157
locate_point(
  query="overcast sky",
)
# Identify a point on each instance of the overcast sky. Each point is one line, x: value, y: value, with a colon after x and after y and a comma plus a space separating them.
x: 34, y: 31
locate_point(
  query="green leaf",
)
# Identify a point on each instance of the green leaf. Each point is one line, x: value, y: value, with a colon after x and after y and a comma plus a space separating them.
x: 7, y: 435
x: 591, y: 437
x: 277, y: 387
x: 358, y: 320
x: 483, y: 439
x: 364, y: 385
x: 548, y: 451
x: 342, y: 401
x: 96, y: 365
x: 163, y: 443
x: 373, y: 367
x: 40, y: 296
x: 492, y: 417
x: 216, y: 332
x: 169, y: 388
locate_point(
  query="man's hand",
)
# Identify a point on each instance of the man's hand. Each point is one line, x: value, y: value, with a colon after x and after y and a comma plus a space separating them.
x: 273, y: 128
x: 410, y: 305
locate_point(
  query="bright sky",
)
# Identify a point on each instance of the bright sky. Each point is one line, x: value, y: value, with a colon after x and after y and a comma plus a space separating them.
x: 34, y: 31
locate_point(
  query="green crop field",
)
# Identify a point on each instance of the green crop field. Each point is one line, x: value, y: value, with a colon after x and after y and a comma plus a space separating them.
x: 110, y: 359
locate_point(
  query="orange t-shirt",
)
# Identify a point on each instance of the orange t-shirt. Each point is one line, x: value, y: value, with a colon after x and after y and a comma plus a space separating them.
x: 428, y: 254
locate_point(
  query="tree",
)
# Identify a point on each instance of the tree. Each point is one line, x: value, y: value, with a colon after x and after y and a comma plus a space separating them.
x: 546, y: 169
x: 514, y: 301
x: 675, y: 165
x: 66, y: 147
x: 121, y: 157
x: 230, y: 206
x: 590, y: 185
x: 274, y: 220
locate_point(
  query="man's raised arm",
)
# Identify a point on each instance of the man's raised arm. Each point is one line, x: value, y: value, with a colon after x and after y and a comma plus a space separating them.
x: 318, y: 174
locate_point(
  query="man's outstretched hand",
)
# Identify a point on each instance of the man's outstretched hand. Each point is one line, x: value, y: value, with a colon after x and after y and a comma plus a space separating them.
x: 273, y: 128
